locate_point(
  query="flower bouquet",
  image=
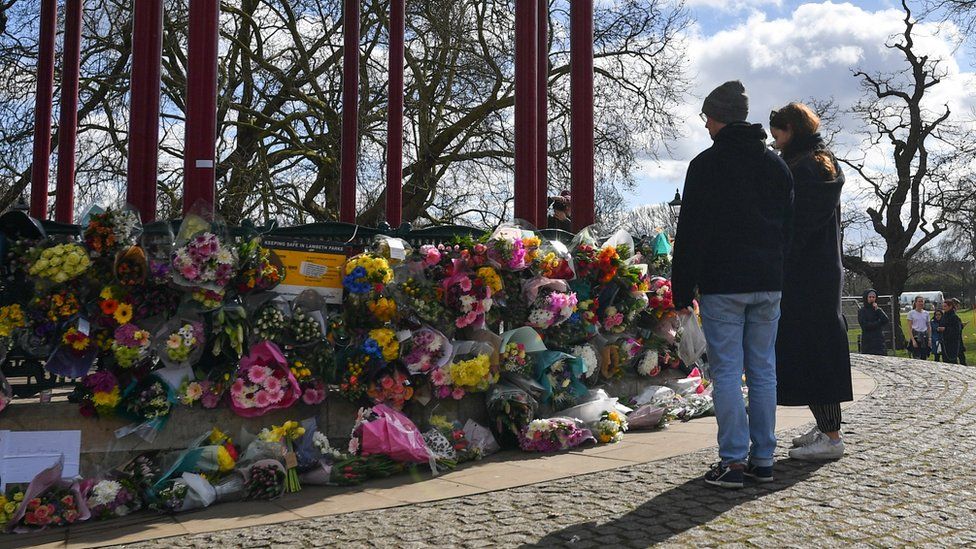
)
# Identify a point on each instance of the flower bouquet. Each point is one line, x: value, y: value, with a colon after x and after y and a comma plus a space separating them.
x: 610, y: 428
x: 512, y: 248
x: 131, y: 266
x: 60, y: 263
x: 307, y: 323
x: 426, y: 350
x: 517, y: 347
x: 180, y: 342
x: 469, y: 371
x: 111, y: 230
x: 467, y: 297
x: 510, y: 408
x: 660, y: 299
x: 12, y: 318
x: 381, y: 430
x: 9, y: 502
x: 287, y: 434
x: 392, y: 386
x: 130, y: 345
x: 110, y: 498
x: 148, y: 403
x: 265, y: 480
x: 453, y: 431
x: 559, y: 374
x: 203, y: 260
x: 102, y: 394
x: 49, y: 501
x: 312, y: 388
x: 553, y: 434
x: 415, y: 293
x: 189, y: 491
x: 551, y: 302
x: 554, y: 261
x: 367, y: 273
x: 271, y: 321
x: 76, y: 353
x: 587, y: 352
x: 206, y: 392
x: 260, y: 271
x: 263, y: 382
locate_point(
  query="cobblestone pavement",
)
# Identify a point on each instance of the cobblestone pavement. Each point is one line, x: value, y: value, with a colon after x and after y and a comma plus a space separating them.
x: 906, y: 480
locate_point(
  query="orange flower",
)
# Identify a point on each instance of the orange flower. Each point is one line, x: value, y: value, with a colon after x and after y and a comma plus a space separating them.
x: 109, y: 306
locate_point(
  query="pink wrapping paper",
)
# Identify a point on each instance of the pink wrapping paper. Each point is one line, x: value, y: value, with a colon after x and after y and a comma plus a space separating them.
x: 44, y: 481
x: 394, y: 435
x: 268, y: 354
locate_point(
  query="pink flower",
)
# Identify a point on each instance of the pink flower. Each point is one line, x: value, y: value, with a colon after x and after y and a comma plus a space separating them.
x: 464, y: 283
x: 262, y: 399
x: 237, y: 389
x: 276, y: 396
x: 272, y: 384
x: 438, y: 377
x: 257, y: 374
x: 458, y: 393
x: 210, y: 399
x: 189, y: 271
x: 313, y: 396
x: 387, y: 383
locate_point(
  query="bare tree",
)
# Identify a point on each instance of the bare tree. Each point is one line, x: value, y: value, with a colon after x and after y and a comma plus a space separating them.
x: 650, y: 219
x: 911, y: 205
x: 279, y: 104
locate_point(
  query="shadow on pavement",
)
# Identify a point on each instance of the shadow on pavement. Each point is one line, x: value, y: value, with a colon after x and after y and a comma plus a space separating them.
x: 680, y: 508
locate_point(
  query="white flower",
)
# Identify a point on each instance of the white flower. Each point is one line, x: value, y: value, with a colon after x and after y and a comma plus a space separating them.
x: 648, y: 363
x: 321, y: 443
x: 467, y: 302
x: 224, y: 256
x: 540, y: 318
x: 588, y: 355
x: 104, y: 492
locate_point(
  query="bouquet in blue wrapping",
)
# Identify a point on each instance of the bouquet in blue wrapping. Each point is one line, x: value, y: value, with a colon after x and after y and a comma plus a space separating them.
x: 559, y: 373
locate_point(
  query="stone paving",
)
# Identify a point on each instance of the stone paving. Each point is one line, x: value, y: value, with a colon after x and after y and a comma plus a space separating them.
x: 906, y: 480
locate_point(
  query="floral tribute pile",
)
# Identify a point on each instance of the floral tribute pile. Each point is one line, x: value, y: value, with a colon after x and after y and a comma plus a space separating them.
x: 534, y: 325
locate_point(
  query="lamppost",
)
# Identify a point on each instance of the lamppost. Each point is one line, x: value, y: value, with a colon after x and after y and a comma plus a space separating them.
x: 675, y: 205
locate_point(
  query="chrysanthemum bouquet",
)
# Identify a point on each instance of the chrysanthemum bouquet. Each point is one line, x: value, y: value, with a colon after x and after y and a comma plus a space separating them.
x: 102, y: 394
x: 425, y: 350
x: 553, y: 435
x: 610, y: 428
x: 130, y: 345
x: 469, y: 372
x: 263, y: 382
x: 113, y: 498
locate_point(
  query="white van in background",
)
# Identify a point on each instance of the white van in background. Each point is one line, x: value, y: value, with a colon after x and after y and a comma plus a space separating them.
x: 933, y: 300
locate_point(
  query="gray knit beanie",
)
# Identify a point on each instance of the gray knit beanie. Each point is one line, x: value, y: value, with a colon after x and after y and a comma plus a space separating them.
x: 727, y: 103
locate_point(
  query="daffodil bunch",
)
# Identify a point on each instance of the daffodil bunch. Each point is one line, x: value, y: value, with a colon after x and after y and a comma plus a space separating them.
x: 611, y: 427
x: 288, y: 433
x: 60, y: 263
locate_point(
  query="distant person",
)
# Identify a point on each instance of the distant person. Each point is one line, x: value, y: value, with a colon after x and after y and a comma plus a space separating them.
x: 872, y: 319
x: 817, y: 375
x: 730, y: 245
x: 918, y: 317
x: 951, y: 330
x: 936, y: 335
x: 561, y: 211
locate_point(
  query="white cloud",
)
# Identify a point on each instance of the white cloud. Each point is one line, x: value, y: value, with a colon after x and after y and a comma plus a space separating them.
x: 727, y: 6
x: 808, y: 53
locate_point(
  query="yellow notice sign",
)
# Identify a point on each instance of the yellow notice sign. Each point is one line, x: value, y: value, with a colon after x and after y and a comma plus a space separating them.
x: 309, y: 264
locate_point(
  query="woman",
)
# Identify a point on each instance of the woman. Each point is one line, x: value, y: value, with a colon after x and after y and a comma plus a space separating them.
x: 936, y: 336
x: 918, y: 317
x: 951, y: 331
x: 813, y: 363
x: 872, y: 319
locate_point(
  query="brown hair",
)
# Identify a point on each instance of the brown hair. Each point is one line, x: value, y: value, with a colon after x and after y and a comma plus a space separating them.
x: 802, y: 121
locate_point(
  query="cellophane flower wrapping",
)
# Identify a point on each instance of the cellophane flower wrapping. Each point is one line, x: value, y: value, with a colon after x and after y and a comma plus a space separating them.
x: 148, y: 403
x: 383, y: 430
x: 470, y: 370
x: 264, y: 480
x: 551, y: 302
x: 111, y: 497
x: 263, y: 382
x: 559, y: 374
x: 180, y: 341
x: 553, y: 434
x: 510, y: 409
x: 49, y: 501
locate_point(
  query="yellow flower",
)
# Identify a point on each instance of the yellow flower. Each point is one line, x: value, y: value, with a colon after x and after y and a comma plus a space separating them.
x: 384, y: 309
x: 106, y: 400
x: 11, y: 318
x: 224, y: 461
x: 106, y: 293
x: 19, y: 496
x: 490, y: 277
x: 217, y: 436
x: 10, y: 508
x: 123, y: 314
x: 472, y: 373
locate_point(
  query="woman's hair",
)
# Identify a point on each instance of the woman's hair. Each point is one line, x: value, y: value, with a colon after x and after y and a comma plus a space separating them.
x: 937, y: 313
x: 917, y: 298
x: 802, y: 121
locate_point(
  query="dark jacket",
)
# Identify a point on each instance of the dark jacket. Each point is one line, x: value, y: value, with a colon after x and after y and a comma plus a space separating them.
x: 813, y: 361
x: 735, y: 218
x: 872, y: 323
x: 554, y: 222
x: 951, y: 337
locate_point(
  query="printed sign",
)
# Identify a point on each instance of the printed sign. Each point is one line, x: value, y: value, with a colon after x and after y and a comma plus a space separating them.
x: 24, y: 454
x: 308, y: 264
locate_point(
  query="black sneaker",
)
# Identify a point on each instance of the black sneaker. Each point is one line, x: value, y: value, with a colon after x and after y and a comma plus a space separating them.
x: 726, y: 476
x: 759, y: 474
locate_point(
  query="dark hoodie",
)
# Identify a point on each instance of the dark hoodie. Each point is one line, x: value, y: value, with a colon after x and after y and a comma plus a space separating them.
x: 872, y: 323
x: 734, y: 226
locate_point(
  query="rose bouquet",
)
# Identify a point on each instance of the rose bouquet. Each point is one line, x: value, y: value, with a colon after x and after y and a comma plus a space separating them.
x: 270, y: 323
x: 555, y: 261
x: 381, y: 430
x: 426, y: 350
x: 610, y: 428
x: 60, y: 263
x: 112, y: 498
x: 660, y: 299
x: 307, y: 323
x: 130, y: 345
x: 49, y: 501
x: 553, y: 435
x: 263, y: 382
x: 9, y: 502
x: 392, y: 387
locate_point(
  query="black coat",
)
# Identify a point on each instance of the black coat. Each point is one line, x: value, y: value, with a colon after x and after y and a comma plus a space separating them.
x: 951, y: 337
x: 813, y: 363
x: 735, y: 214
x: 872, y: 322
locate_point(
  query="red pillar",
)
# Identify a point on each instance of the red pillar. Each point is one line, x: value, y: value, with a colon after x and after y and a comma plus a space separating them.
x: 526, y: 107
x: 144, y: 89
x: 394, y: 126
x: 350, y: 111
x: 42, y: 108
x: 201, y: 105
x: 64, y: 201
x: 581, y: 111
x: 542, y: 91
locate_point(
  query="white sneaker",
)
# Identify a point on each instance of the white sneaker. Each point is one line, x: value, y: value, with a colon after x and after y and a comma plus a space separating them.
x: 821, y: 449
x: 807, y: 438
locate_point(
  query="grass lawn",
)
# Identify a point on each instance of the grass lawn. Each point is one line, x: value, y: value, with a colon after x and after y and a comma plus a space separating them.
x: 968, y: 333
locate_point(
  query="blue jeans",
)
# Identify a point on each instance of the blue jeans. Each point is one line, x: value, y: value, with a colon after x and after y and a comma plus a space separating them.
x: 741, y: 333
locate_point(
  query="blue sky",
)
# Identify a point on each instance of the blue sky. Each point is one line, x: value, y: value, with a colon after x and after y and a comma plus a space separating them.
x: 787, y: 51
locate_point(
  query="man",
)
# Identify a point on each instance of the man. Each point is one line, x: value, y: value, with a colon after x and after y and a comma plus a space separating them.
x: 951, y: 332
x: 560, y: 213
x: 731, y: 242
